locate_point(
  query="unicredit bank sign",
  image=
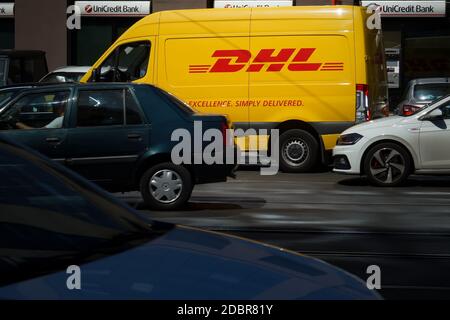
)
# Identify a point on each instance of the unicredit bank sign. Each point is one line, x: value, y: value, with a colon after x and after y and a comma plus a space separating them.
x: 409, y: 8
x: 114, y: 8
x: 251, y: 4
x: 6, y: 10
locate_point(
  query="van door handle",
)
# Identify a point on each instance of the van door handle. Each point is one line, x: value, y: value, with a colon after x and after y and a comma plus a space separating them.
x: 53, y: 140
x: 134, y: 136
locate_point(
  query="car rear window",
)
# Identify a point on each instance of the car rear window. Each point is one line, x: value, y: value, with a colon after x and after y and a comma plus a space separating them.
x: 180, y: 104
x: 431, y: 91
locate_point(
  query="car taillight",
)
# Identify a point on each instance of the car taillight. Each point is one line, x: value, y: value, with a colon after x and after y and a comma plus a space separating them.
x: 362, y: 103
x: 409, y: 110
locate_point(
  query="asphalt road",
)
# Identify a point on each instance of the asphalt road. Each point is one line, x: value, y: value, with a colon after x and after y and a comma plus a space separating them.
x: 340, y: 219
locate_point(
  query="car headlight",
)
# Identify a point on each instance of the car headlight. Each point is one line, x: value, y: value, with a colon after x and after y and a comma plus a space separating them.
x: 348, y: 139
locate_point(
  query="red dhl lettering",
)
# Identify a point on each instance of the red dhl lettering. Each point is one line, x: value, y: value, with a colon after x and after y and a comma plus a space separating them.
x: 265, y: 61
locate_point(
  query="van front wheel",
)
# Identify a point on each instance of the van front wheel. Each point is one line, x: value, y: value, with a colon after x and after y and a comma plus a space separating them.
x: 299, y: 151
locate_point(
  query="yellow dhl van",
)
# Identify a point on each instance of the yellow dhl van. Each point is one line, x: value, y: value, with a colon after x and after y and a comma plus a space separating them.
x: 310, y: 72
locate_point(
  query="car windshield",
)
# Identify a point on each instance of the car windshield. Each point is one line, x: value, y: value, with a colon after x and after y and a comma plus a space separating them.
x: 5, y: 96
x: 428, y: 105
x: 58, y: 77
x: 431, y: 91
x: 49, y: 214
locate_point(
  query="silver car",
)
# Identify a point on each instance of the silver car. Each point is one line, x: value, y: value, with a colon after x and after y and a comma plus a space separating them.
x: 422, y: 91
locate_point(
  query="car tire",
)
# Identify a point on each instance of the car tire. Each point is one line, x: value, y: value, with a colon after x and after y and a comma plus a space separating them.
x: 166, y: 186
x: 387, y: 165
x: 299, y: 151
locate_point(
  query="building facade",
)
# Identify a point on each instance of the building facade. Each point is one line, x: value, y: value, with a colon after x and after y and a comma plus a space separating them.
x: 416, y: 33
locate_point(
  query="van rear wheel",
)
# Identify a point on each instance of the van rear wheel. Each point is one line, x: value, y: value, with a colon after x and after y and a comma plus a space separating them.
x: 299, y: 151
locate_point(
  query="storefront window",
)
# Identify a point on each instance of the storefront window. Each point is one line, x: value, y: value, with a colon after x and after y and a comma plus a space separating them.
x: 6, y: 33
x: 97, y: 35
x: 427, y: 57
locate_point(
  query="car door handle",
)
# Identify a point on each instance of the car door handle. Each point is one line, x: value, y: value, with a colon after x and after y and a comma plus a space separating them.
x: 53, y: 140
x: 134, y: 136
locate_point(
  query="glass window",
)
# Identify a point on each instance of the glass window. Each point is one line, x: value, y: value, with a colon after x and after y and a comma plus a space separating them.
x: 2, y: 71
x: 38, y: 110
x: 5, y: 96
x: 128, y: 62
x: 431, y: 91
x: 133, y: 111
x: 58, y: 77
x: 49, y: 215
x: 100, y: 108
x: 14, y: 72
x: 179, y: 103
x: 446, y: 111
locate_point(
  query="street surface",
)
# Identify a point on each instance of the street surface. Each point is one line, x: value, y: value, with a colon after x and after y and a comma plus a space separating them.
x: 340, y: 219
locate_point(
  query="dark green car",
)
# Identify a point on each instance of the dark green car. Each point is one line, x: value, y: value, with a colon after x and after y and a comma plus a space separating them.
x: 117, y: 135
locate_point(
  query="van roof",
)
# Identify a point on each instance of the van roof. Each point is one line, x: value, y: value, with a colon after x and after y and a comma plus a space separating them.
x: 164, y: 22
x: 316, y: 12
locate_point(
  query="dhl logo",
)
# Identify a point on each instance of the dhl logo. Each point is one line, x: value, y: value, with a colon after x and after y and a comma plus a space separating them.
x: 237, y: 60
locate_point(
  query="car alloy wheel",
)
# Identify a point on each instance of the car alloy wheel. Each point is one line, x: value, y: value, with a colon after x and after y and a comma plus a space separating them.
x: 166, y: 186
x: 387, y: 164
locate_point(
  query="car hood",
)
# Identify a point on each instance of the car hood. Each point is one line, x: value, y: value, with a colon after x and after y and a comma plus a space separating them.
x: 379, y: 123
x: 186, y: 263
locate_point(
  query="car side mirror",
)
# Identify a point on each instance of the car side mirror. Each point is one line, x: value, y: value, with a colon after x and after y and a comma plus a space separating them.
x: 95, y: 75
x: 436, y: 114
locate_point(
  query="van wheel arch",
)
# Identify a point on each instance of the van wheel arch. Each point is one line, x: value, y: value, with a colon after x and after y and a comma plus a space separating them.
x: 295, y: 124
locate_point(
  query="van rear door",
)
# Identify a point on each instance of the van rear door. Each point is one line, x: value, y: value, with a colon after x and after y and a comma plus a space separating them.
x: 303, y: 69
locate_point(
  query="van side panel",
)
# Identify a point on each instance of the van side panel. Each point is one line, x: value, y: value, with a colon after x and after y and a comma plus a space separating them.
x: 320, y: 87
x: 314, y: 81
x: 189, y: 47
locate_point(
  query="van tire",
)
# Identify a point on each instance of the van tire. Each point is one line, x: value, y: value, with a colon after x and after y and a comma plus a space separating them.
x: 299, y: 151
x: 168, y: 174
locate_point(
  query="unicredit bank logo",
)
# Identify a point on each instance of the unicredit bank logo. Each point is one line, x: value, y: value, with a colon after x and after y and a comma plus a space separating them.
x: 114, y: 8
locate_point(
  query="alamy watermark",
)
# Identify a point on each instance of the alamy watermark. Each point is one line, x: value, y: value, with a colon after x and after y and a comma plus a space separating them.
x: 214, y: 146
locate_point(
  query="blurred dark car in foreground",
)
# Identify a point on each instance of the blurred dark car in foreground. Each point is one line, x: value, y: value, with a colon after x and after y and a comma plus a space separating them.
x: 52, y: 219
x: 117, y: 135
x: 421, y: 92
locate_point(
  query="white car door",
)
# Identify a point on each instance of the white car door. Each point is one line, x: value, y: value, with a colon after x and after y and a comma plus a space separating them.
x: 434, y: 141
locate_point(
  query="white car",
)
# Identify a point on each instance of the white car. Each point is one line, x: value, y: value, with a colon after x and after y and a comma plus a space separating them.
x: 388, y: 150
x: 65, y: 74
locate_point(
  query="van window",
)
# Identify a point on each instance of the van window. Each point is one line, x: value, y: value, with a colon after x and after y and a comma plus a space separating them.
x: 128, y: 62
